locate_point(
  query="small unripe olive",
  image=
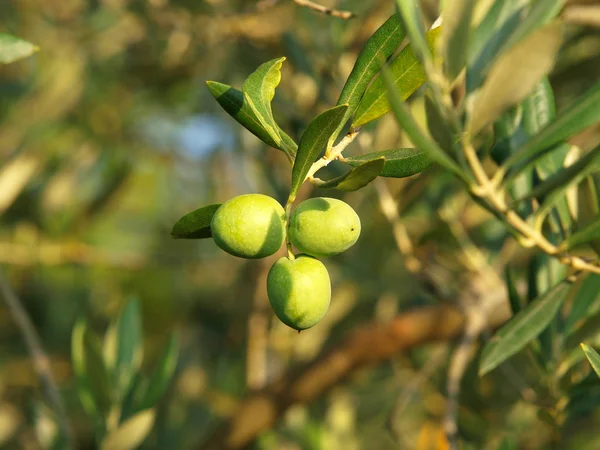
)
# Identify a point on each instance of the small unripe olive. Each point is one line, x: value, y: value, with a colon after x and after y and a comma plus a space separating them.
x: 249, y: 226
x: 324, y: 226
x: 299, y: 291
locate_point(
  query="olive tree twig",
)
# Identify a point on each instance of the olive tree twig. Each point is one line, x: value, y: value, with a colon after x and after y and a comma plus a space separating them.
x: 40, y: 360
x: 263, y: 4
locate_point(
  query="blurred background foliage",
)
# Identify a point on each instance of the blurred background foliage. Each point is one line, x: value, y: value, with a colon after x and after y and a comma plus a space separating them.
x: 108, y: 135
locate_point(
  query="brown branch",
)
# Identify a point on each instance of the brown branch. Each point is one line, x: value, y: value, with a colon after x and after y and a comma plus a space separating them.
x: 369, y: 345
x: 324, y: 10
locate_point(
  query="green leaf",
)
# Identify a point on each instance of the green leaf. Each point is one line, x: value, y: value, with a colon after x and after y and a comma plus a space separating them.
x: 131, y: 433
x: 456, y: 15
x: 232, y: 101
x: 312, y: 142
x: 162, y: 375
x: 582, y: 113
x: 412, y: 17
x: 437, y: 124
x: 123, y: 346
x: 90, y: 371
x: 514, y: 75
x: 522, y: 328
x: 380, y: 46
x: 516, y: 304
x: 408, y: 75
x: 13, y: 49
x: 593, y: 357
x: 540, y: 14
x: 587, y: 293
x: 414, y: 132
x: 588, y: 206
x: 358, y: 177
x: 196, y: 224
x: 589, y: 233
x: 539, y: 109
x: 399, y: 162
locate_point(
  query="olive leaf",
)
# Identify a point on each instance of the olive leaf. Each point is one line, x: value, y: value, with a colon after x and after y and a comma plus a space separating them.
x: 593, y: 357
x: 13, y: 49
x: 358, y: 177
x: 456, y: 17
x: 378, y: 48
x: 514, y: 75
x: 195, y: 224
x: 313, y: 141
x: 399, y: 162
x: 131, y: 433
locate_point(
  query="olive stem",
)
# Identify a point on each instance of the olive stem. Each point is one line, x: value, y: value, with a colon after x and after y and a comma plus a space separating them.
x: 288, y: 243
x: 335, y: 153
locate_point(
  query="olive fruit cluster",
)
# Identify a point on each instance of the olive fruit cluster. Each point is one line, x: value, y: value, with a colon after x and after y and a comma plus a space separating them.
x: 255, y: 226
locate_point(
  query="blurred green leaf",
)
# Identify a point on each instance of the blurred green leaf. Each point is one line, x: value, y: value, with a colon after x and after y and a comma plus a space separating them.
x: 412, y: 17
x: 514, y: 75
x: 438, y: 125
x: 588, y: 206
x: 13, y: 49
x: 583, y: 112
x: 539, y: 108
x: 413, y: 130
x: 90, y: 371
x: 589, y: 233
x: 408, y: 75
x: 313, y: 141
x: 232, y: 101
x: 131, y: 433
x: 162, y: 375
x: 522, y: 328
x: 587, y: 293
x: 593, y: 357
x: 516, y: 304
x: 456, y: 15
x: 541, y: 13
x: 358, y: 177
x: 378, y: 48
x: 123, y: 346
x: 399, y: 162
x: 196, y: 224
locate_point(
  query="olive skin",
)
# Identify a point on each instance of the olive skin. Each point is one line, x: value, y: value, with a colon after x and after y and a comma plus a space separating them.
x: 249, y: 226
x: 324, y: 226
x: 299, y: 291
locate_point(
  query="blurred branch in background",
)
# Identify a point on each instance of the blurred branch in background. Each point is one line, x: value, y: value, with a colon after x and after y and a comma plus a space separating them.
x: 311, y: 5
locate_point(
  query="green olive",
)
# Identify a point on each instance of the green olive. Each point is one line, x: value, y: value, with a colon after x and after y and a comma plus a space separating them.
x: 249, y: 226
x: 299, y: 291
x: 324, y: 226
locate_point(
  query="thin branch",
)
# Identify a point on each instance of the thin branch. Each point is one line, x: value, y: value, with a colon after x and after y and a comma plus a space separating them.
x: 324, y: 10
x: 40, y: 360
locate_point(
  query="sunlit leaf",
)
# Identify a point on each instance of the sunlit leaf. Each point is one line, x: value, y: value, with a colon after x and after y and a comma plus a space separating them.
x: 358, y: 177
x: 13, y: 49
x: 408, y: 75
x: 131, y: 433
x: 412, y: 17
x: 456, y: 15
x: 593, y: 357
x: 196, y: 224
x: 399, y: 162
x: 378, y: 48
x: 313, y: 141
x: 523, y: 328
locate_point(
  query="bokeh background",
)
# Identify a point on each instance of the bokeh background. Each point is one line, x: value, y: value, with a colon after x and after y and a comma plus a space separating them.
x: 108, y: 135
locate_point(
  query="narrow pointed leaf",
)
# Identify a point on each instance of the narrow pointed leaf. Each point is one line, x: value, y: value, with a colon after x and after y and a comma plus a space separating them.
x: 378, y: 48
x: 412, y: 17
x: 313, y: 141
x: 456, y: 16
x: 358, y: 177
x: 514, y: 75
x: 399, y: 162
x: 593, y: 357
x: 13, y: 49
x: 408, y: 75
x: 582, y: 113
x: 232, y: 101
x: 588, y: 206
x: 438, y: 125
x: 588, y: 234
x: 523, y: 328
x: 587, y: 294
x: 196, y: 224
x: 414, y: 132
x: 516, y: 304
x: 130, y: 434
x: 539, y: 108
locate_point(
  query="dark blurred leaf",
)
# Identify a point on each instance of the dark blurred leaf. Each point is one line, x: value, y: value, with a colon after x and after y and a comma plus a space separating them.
x: 408, y: 75
x: 131, y: 433
x: 90, y: 371
x: 123, y: 346
x: 412, y: 17
x: 13, y: 49
x: 196, y: 224
x: 399, y: 162
x: 522, y: 328
x: 589, y: 233
x: 588, y: 206
x: 380, y: 46
x: 539, y: 108
x: 162, y: 375
x: 516, y: 304
x: 456, y: 15
x: 593, y: 357
x: 232, y: 101
x: 541, y: 13
x: 583, y: 112
x: 438, y: 125
x: 586, y: 295
x: 358, y: 177
x: 514, y: 74
x: 312, y: 143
